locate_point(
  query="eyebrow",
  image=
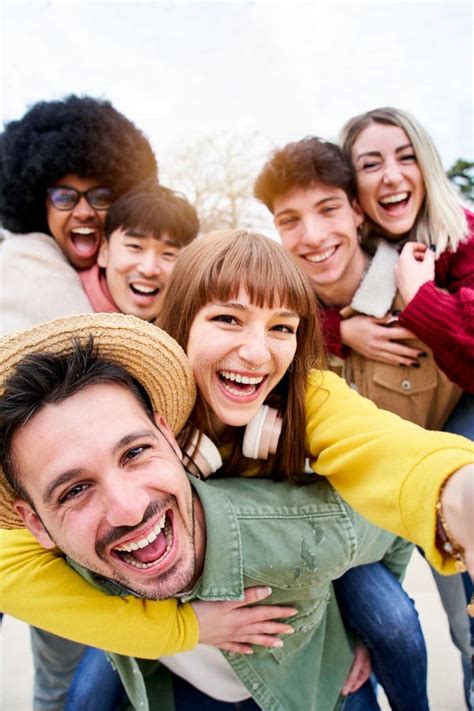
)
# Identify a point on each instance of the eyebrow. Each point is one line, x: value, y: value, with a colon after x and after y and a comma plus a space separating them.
x: 378, y: 154
x: 241, y: 307
x: 318, y: 203
x: 145, y: 235
x: 71, y: 474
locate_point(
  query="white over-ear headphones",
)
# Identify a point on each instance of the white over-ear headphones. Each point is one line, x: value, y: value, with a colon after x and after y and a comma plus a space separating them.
x: 204, y: 460
x: 262, y: 434
x: 260, y: 440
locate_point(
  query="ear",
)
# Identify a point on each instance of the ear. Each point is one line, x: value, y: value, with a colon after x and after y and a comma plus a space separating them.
x: 103, y: 255
x: 358, y: 213
x: 33, y: 523
x: 161, y: 423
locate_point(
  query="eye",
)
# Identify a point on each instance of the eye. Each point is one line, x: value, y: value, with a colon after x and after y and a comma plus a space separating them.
x: 73, y: 493
x: 284, y: 328
x: 329, y: 209
x: 408, y: 158
x: 371, y: 166
x: 170, y: 256
x: 134, y: 247
x: 287, y: 222
x: 225, y: 318
x: 133, y: 453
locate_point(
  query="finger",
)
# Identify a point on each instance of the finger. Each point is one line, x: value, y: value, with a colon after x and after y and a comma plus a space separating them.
x: 250, y: 615
x: 236, y: 648
x: 263, y: 640
x: 420, y: 252
x: 263, y: 628
x: 411, y: 247
x: 397, y: 333
x: 356, y: 678
x: 396, y: 359
x: 390, y: 358
x: 400, y: 349
x: 252, y: 595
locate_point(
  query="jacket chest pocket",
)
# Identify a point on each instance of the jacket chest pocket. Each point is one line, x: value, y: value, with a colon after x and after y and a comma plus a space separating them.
x: 304, y: 624
x: 407, y: 381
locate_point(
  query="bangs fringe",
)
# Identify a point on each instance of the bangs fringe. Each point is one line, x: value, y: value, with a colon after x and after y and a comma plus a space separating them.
x: 260, y: 266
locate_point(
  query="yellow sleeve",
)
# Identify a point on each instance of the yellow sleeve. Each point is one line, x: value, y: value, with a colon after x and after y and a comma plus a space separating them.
x: 387, y: 469
x: 39, y: 587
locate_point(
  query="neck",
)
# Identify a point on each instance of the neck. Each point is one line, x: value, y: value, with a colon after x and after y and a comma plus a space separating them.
x: 218, y: 427
x: 341, y: 292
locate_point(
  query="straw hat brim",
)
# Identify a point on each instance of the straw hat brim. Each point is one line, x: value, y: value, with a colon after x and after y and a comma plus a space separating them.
x: 151, y: 356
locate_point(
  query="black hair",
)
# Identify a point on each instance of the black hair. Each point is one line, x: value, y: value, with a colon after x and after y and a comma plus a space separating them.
x: 302, y: 164
x: 155, y: 209
x: 40, y: 379
x: 80, y: 135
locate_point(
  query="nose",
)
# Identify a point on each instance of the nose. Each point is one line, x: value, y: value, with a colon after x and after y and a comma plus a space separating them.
x: 83, y: 211
x: 391, y: 172
x: 150, y: 265
x: 255, y: 349
x: 124, y: 503
x: 314, y: 231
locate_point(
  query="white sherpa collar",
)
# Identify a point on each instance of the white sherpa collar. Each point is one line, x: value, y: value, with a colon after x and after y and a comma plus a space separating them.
x: 377, y: 290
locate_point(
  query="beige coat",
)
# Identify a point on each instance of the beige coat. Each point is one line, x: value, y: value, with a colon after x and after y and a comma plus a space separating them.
x: 37, y: 282
x: 422, y: 395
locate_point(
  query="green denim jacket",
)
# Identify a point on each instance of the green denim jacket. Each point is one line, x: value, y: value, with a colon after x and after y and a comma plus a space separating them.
x: 296, y: 540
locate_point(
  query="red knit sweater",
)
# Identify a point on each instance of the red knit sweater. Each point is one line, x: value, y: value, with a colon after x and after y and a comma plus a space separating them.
x: 441, y: 314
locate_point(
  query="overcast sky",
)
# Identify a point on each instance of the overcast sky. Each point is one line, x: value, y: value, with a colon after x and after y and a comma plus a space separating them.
x: 183, y: 69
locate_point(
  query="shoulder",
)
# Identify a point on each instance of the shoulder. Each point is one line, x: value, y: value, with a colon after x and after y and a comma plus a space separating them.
x: 34, y: 245
x: 325, y: 383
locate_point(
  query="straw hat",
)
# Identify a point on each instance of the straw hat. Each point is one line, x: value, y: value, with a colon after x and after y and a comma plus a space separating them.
x: 145, y: 351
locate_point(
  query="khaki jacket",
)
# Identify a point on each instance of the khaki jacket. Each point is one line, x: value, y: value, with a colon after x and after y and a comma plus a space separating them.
x: 423, y: 395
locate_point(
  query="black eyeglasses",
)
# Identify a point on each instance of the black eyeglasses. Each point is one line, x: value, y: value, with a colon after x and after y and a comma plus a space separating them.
x: 64, y: 198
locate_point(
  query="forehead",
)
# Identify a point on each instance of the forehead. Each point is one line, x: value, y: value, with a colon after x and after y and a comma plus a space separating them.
x: 72, y: 180
x: 380, y: 136
x: 77, y: 432
x: 244, y: 299
x: 302, y: 198
x: 160, y: 242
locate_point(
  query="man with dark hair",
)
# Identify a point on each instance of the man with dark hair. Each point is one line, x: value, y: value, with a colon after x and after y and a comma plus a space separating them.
x: 110, y: 491
x: 144, y: 233
x: 62, y: 165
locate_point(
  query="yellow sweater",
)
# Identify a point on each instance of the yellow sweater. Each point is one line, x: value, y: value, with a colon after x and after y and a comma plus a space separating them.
x: 388, y: 469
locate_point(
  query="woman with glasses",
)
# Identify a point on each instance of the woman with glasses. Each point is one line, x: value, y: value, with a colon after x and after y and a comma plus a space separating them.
x: 62, y: 165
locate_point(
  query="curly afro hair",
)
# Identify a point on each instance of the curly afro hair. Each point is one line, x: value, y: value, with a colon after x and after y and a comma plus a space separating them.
x: 80, y: 135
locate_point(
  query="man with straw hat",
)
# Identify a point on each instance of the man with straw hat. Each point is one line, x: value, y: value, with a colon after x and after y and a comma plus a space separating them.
x: 92, y: 401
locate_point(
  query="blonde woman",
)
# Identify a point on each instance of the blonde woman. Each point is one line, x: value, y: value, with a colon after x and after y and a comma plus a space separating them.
x: 408, y: 200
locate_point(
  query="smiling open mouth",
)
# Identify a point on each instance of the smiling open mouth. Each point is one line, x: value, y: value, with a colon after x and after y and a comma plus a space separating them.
x: 322, y: 256
x: 240, y: 385
x: 85, y: 240
x: 142, y: 290
x: 393, y: 203
x: 146, y: 552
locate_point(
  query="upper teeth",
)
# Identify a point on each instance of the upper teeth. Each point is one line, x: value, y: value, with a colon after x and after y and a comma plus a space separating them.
x: 399, y: 197
x: 83, y: 230
x: 135, y: 545
x: 321, y: 256
x: 246, y: 380
x: 144, y: 289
